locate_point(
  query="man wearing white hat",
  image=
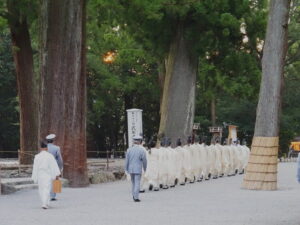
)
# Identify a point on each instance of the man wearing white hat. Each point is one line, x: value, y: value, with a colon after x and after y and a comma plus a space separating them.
x: 135, y: 161
x: 55, y: 151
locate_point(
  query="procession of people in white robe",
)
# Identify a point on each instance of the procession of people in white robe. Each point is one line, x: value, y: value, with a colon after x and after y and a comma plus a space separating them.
x: 166, y: 167
x: 170, y: 166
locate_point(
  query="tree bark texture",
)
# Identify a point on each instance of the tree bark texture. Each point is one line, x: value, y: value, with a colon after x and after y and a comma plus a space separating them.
x: 213, y: 111
x: 178, y: 101
x: 161, y: 79
x: 261, y: 172
x: 274, y: 53
x: 63, y: 108
x: 27, y: 84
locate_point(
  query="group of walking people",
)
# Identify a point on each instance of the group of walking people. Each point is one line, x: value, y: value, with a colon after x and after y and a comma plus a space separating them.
x: 155, y: 168
x: 166, y: 167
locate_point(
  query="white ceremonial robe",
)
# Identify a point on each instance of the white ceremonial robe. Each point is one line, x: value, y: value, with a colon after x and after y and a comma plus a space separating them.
x: 240, y: 156
x: 163, y: 176
x: 45, y: 170
x: 188, y: 163
x: 195, y: 160
x: 218, y: 159
x: 246, y: 154
x: 225, y: 159
x: 160, y: 165
x: 231, y: 160
x: 151, y: 174
x: 180, y: 164
x: 234, y: 151
x: 171, y: 166
x: 213, y: 170
x: 201, y: 160
x: 211, y: 160
x: 144, y: 182
x: 205, y: 169
x: 200, y: 163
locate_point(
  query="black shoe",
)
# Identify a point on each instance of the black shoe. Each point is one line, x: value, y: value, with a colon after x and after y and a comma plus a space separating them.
x: 53, y: 199
x: 150, y: 187
x: 176, y: 181
x: 142, y: 191
x: 136, y: 200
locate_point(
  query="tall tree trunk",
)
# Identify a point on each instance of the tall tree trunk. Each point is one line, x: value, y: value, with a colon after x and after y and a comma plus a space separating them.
x: 63, y: 109
x: 261, y: 171
x: 213, y: 111
x: 161, y: 79
x: 178, y: 101
x: 27, y: 83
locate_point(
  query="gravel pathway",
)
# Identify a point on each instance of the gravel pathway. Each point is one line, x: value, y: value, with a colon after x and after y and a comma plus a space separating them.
x: 214, y: 202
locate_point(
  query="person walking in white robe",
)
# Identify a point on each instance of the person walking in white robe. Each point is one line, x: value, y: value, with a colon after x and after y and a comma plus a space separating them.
x: 144, y: 182
x: 210, y: 161
x: 218, y: 165
x: 225, y: 160
x: 246, y: 152
x: 45, y: 170
x: 188, y: 163
x: 153, y: 168
x: 171, y: 167
x: 202, y: 161
x: 180, y: 164
x: 164, y: 169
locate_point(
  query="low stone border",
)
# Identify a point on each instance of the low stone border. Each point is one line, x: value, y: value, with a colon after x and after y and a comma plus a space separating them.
x: 287, y: 159
x: 106, y: 176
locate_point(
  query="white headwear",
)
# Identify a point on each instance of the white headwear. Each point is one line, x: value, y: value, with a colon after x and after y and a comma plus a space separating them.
x: 137, y: 138
x: 50, y: 136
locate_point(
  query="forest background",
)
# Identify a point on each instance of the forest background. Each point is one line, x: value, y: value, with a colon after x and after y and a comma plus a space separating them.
x: 227, y: 38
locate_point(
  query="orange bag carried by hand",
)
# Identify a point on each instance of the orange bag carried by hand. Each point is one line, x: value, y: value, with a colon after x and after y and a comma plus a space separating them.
x: 57, y: 186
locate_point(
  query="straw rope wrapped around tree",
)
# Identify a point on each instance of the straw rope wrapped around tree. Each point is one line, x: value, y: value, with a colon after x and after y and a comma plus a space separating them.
x: 261, y: 172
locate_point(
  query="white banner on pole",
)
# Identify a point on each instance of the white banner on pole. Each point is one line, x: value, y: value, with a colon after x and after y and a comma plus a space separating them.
x: 135, y: 124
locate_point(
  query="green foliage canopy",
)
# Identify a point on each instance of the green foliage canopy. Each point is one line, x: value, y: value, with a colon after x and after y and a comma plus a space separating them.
x: 9, y: 122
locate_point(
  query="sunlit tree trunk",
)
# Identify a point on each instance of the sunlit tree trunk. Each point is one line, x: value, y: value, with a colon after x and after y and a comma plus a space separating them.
x: 161, y: 79
x: 27, y: 83
x: 178, y: 100
x: 63, y: 109
x: 261, y: 172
